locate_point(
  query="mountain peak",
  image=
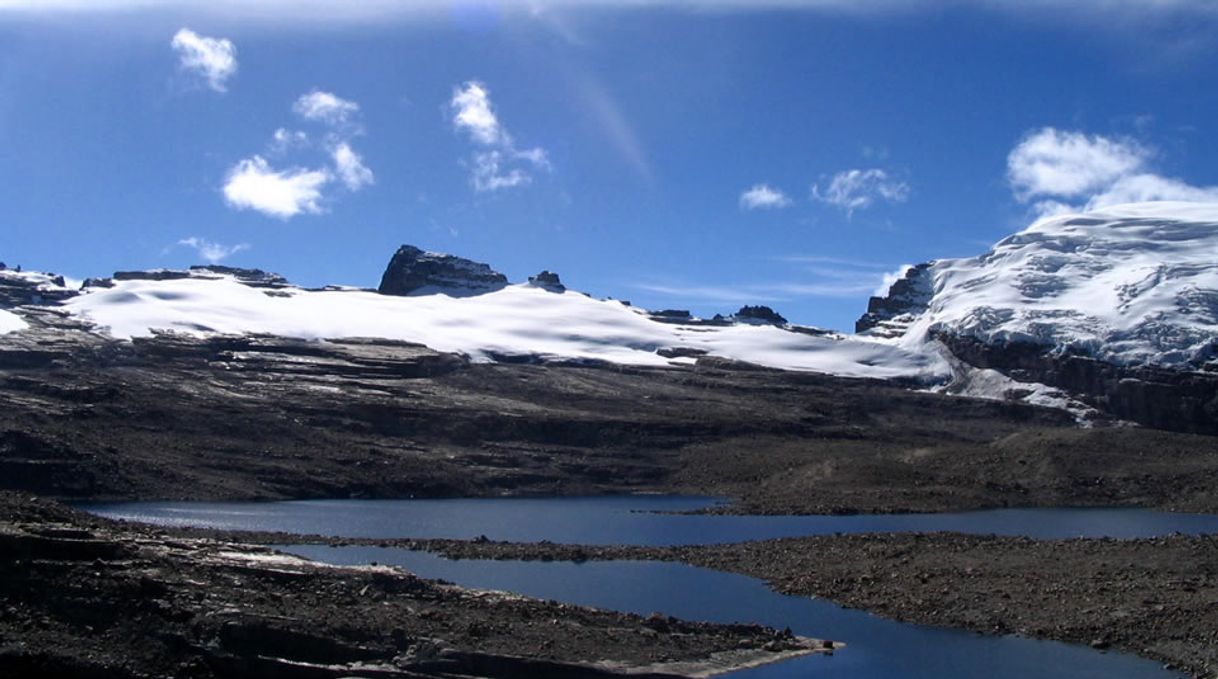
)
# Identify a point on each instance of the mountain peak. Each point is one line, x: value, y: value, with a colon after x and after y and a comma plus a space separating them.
x: 413, y: 271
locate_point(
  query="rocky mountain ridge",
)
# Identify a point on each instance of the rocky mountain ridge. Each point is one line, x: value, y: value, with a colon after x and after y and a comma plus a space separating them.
x: 1119, y: 308
x: 1112, y: 314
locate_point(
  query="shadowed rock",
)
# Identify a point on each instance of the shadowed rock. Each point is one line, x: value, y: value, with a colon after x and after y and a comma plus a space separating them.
x: 547, y: 280
x: 415, y: 271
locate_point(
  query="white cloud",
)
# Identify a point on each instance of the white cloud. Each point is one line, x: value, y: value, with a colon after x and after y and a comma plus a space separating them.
x: 535, y: 156
x: 212, y: 252
x: 1070, y: 164
x: 853, y: 190
x: 284, y: 140
x: 763, y: 196
x: 471, y: 108
x: 491, y: 170
x: 1067, y: 171
x: 499, y: 165
x: 1149, y: 187
x: 489, y: 174
x: 253, y: 184
x: 325, y: 107
x: 350, y: 167
x: 214, y: 59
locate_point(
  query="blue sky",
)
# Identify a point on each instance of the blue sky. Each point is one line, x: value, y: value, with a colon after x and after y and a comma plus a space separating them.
x: 674, y: 154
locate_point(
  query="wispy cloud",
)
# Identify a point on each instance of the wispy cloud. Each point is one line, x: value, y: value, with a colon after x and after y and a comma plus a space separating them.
x: 498, y: 164
x: 284, y: 140
x: 613, y: 122
x: 825, y: 259
x: 811, y: 276
x: 763, y: 196
x: 325, y: 107
x: 1058, y: 171
x: 350, y: 167
x: 213, y: 59
x: 253, y: 185
x: 210, y: 251
x: 710, y: 293
x: 758, y: 292
x: 853, y: 190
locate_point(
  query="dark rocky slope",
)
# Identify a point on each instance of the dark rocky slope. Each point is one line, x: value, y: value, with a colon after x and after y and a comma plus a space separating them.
x: 83, y: 416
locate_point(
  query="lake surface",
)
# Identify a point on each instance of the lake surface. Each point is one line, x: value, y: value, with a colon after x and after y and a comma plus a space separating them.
x: 629, y: 520
x: 876, y: 648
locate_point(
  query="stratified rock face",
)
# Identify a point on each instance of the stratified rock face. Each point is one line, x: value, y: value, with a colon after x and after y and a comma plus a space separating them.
x: 1163, y: 398
x: 671, y: 316
x: 547, y: 280
x: 151, y: 275
x: 759, y: 314
x: 890, y: 315
x: 413, y: 271
x: 253, y: 277
x: 18, y: 288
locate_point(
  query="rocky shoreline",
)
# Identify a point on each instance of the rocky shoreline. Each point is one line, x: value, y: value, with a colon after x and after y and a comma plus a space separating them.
x: 1155, y: 597
x: 84, y: 596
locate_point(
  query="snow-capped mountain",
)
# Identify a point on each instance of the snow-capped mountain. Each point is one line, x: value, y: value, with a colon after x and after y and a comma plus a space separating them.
x: 1118, y: 308
x: 1113, y: 312
x: 1130, y: 285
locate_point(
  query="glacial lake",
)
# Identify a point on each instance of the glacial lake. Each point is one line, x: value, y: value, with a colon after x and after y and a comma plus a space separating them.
x: 628, y: 520
x: 876, y: 648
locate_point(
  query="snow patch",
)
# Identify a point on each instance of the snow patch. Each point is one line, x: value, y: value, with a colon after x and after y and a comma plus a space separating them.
x: 11, y: 322
x: 517, y: 320
x: 992, y: 385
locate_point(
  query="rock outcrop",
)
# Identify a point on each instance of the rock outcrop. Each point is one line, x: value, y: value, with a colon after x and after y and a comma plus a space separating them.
x: 889, y: 315
x: 763, y: 315
x: 252, y: 277
x: 547, y: 280
x: 19, y: 288
x: 413, y: 271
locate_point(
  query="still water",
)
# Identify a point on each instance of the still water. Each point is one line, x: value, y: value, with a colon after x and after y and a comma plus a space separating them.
x: 876, y: 648
x: 628, y: 520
